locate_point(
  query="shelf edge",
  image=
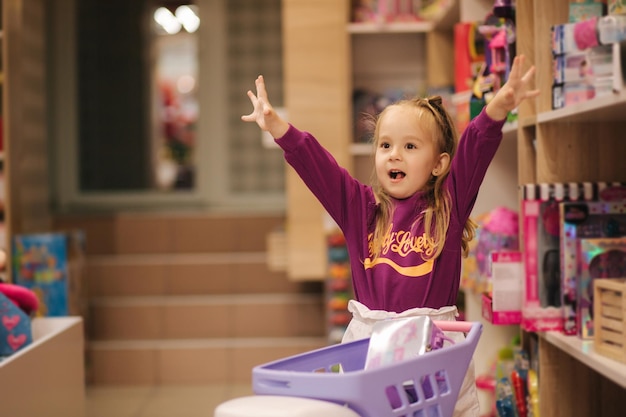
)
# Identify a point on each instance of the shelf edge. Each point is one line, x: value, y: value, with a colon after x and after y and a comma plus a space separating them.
x: 583, y: 351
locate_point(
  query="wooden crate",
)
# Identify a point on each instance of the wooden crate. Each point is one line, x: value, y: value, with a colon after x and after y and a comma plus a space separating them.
x: 609, y: 307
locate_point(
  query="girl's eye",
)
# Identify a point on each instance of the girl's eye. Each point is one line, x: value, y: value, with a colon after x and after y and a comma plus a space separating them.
x: 410, y: 146
x: 384, y: 145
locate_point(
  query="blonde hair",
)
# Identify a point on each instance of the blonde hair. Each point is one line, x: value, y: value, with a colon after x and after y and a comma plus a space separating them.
x: 436, y: 216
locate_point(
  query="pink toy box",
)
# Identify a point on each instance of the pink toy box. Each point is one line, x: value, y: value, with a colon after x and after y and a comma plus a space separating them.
x: 503, y: 305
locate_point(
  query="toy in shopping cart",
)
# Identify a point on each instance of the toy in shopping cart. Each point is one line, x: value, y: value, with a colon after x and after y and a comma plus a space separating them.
x: 399, y: 339
x: 427, y: 384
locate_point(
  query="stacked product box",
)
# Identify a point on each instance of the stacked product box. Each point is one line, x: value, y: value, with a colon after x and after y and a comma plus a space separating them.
x: 582, y: 68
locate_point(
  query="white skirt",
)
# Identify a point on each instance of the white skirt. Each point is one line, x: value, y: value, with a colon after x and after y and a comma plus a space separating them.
x: 360, y: 327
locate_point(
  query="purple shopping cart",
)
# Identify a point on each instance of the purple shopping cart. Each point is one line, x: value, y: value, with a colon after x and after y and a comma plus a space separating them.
x: 424, y: 386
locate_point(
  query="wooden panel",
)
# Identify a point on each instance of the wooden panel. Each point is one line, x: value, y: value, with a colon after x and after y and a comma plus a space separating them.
x: 46, y: 378
x: 582, y: 143
x: 577, y: 152
x: 581, y: 392
x: 526, y: 155
x: 546, y: 14
x: 560, y: 374
x: 440, y: 58
x: 317, y: 97
x: 24, y: 115
x: 524, y: 24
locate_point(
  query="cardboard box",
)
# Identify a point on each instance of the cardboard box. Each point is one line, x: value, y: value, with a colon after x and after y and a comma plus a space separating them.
x: 51, y: 265
x: 504, y: 304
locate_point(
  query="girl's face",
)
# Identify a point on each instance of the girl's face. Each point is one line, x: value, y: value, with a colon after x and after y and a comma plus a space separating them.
x: 406, y: 152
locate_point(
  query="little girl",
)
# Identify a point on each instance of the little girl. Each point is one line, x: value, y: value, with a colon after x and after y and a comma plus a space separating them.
x: 406, y: 234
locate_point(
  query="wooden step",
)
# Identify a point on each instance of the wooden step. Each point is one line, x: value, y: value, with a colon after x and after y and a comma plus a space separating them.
x: 192, y: 317
x: 170, y: 233
x: 186, y: 274
x: 193, y: 361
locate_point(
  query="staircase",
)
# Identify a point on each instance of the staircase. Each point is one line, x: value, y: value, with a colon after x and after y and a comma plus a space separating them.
x: 189, y: 299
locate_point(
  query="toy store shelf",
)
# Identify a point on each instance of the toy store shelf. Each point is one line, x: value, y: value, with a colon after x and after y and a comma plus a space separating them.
x: 583, y: 351
x: 394, y: 27
x: 443, y: 14
x: 606, y: 108
x: 509, y: 132
x: 50, y: 370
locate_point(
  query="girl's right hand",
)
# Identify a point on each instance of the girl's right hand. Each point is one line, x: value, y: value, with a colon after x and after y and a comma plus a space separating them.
x: 263, y: 113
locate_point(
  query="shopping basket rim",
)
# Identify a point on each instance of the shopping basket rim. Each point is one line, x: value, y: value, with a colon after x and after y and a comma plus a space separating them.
x: 274, y: 366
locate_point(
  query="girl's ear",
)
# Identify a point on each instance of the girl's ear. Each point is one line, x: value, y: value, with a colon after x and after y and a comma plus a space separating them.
x: 442, y: 165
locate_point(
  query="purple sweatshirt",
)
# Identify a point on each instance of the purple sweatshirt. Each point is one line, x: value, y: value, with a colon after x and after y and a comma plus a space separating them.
x: 399, y: 279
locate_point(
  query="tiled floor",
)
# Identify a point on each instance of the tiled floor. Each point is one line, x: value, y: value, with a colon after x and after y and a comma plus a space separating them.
x: 160, y: 401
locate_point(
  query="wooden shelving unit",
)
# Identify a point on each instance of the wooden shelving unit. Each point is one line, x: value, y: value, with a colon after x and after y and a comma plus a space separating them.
x: 322, y: 48
x: 582, y: 142
x: 24, y: 116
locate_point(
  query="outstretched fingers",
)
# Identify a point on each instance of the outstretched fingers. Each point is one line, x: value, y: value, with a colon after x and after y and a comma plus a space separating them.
x: 261, y: 92
x: 252, y: 116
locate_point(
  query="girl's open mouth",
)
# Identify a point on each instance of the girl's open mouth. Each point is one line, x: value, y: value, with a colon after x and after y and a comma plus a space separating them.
x: 396, y: 175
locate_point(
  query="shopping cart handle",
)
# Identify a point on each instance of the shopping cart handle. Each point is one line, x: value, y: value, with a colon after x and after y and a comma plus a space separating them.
x: 454, y: 326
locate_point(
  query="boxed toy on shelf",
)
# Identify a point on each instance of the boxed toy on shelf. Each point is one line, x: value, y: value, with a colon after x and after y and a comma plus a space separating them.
x: 586, y: 57
x: 599, y: 258
x: 542, y: 308
x: 586, y: 9
x: 40, y: 264
x: 51, y: 265
x: 583, y: 220
x: 616, y: 7
x: 386, y: 11
x: 503, y: 304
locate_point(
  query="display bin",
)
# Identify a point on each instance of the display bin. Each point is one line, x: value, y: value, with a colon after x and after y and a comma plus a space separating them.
x: 47, y: 377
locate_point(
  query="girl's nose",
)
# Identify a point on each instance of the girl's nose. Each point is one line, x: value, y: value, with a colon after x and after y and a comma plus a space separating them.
x: 395, y: 153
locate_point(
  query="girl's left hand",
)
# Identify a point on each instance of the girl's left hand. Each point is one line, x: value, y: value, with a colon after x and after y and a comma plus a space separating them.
x: 513, y: 92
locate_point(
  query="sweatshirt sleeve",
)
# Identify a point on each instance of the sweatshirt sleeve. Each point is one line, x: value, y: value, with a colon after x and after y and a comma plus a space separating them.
x: 331, y: 184
x: 477, y: 147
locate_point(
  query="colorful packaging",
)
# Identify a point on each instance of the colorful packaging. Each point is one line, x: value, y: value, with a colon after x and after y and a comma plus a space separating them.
x: 541, y: 309
x: 599, y: 258
x: 504, y: 304
x: 583, y: 220
x: 583, y: 10
x: 394, y: 340
x: 616, y: 7
x: 40, y: 264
